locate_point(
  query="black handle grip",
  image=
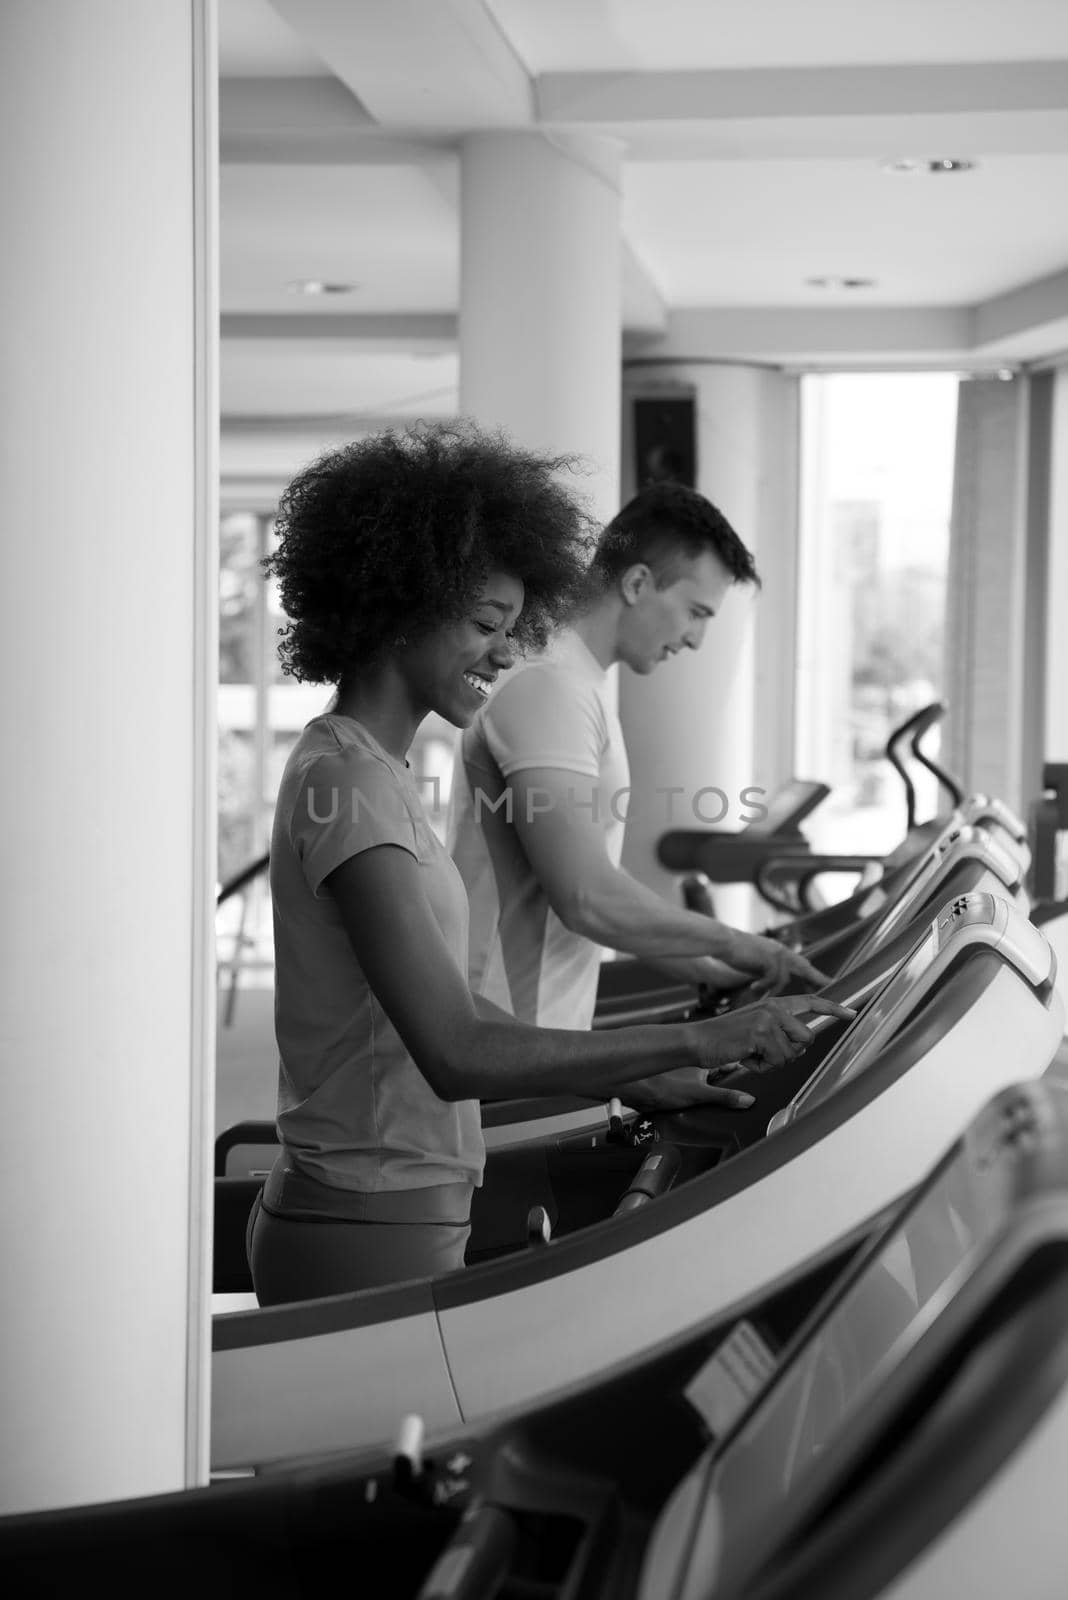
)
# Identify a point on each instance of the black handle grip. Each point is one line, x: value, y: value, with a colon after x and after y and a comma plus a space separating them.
x: 697, y: 894
x: 241, y: 879
x: 250, y: 1132
x: 911, y: 731
x: 954, y: 789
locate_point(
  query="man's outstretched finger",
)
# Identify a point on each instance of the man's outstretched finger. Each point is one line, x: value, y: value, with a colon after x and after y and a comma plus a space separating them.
x: 802, y: 968
x: 796, y: 1035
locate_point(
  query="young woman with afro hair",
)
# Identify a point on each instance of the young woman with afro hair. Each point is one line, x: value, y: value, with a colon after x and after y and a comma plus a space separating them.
x: 413, y: 567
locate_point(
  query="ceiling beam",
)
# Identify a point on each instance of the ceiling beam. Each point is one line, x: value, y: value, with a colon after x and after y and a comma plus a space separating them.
x: 311, y: 424
x: 777, y: 92
x: 418, y: 64
x: 297, y: 105
x: 774, y: 333
x: 312, y: 121
x: 784, y: 335
x: 320, y: 120
x: 778, y: 334
x: 399, y: 330
x: 1030, y: 306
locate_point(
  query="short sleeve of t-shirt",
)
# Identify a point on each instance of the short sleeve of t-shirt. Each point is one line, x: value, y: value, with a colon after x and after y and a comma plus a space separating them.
x: 541, y: 719
x: 348, y: 801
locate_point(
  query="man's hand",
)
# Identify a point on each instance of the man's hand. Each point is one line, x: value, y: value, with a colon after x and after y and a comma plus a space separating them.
x: 762, y: 1036
x: 704, y: 972
x: 773, y: 968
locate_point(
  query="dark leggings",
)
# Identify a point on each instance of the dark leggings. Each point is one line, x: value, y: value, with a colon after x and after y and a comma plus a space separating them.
x: 302, y: 1260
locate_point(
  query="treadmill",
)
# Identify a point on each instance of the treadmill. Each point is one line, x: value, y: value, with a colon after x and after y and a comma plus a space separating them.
x: 783, y: 867
x: 693, y: 851
x: 917, y: 1453
x: 1048, y: 882
x: 523, y: 1136
x: 887, y: 1424
x: 966, y: 855
x: 983, y: 846
x: 631, y: 989
x: 972, y: 1007
x: 906, y: 1441
x: 626, y: 981
x: 282, y: 1532
x: 537, y: 1154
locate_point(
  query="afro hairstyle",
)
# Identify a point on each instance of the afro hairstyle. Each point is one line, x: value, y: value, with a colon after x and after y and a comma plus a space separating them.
x: 387, y: 538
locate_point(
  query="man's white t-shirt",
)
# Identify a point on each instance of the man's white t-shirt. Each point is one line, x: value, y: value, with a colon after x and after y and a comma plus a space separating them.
x: 554, y: 712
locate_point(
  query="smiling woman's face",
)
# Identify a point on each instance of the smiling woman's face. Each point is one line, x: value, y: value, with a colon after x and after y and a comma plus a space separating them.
x: 452, y: 670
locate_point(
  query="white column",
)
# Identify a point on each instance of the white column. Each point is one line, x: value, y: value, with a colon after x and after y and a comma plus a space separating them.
x: 984, y: 644
x: 1056, y: 728
x: 540, y: 297
x: 107, y: 150
x: 722, y: 717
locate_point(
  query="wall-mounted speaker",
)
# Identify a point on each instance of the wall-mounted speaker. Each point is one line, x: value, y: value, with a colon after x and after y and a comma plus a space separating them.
x: 665, y: 440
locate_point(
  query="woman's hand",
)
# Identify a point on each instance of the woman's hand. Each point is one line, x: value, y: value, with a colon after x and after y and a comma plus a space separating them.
x: 762, y: 1036
x: 756, y: 1038
x: 680, y: 1089
x: 773, y: 968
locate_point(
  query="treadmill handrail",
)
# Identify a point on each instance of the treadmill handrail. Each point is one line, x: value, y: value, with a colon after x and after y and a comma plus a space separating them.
x: 911, y: 730
x: 495, y: 1114
x: 946, y: 780
x: 802, y: 875
x: 242, y: 879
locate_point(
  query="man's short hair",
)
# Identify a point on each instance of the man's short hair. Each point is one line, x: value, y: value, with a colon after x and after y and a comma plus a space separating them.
x: 665, y: 522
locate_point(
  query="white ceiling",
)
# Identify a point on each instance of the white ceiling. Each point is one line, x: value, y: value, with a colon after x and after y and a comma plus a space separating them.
x: 753, y: 134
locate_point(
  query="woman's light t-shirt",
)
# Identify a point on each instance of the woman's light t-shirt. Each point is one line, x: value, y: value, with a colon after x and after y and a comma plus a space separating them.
x: 354, y: 1111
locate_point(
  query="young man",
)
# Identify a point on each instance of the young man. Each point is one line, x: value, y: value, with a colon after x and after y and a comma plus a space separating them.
x: 538, y: 803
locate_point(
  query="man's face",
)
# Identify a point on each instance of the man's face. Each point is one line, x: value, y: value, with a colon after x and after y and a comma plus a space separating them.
x: 657, y: 622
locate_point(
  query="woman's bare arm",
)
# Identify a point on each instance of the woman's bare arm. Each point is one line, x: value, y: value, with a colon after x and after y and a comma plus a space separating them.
x: 465, y: 1055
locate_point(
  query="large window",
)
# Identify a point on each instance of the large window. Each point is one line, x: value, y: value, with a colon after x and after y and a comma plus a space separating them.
x: 877, y: 482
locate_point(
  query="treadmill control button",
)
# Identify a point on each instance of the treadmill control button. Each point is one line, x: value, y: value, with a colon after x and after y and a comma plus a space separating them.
x: 539, y: 1227
x: 446, y: 1490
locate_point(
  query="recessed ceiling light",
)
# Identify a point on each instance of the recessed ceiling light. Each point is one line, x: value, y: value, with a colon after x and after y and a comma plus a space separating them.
x: 840, y: 283
x: 319, y: 286
x: 909, y: 165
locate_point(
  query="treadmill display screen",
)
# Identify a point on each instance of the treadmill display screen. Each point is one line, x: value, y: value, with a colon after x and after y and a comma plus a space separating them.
x: 852, y: 1049
x: 789, y: 805
x: 767, y: 1472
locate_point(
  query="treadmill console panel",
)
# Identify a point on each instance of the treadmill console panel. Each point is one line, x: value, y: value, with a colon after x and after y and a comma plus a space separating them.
x: 978, y: 918
x: 958, y: 843
x: 982, y: 808
x: 892, y: 1315
x: 988, y: 919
